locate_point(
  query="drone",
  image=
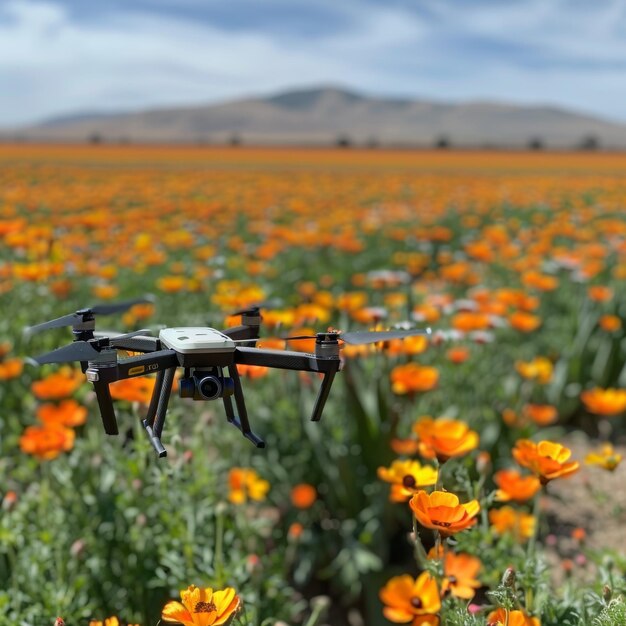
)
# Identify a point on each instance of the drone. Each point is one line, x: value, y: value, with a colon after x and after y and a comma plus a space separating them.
x: 208, y: 357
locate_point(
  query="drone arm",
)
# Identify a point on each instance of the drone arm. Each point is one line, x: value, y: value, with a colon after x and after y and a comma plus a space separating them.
x: 286, y: 360
x: 295, y: 361
x: 146, y: 363
x: 137, y: 344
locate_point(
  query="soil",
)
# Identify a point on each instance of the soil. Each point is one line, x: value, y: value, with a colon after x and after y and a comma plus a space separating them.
x: 594, y: 500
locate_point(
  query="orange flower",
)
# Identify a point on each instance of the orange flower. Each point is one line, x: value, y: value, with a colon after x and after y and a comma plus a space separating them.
x: 516, y: 618
x: 59, y: 385
x: 11, y: 368
x: 138, y: 389
x: 610, y: 323
x: 541, y: 414
x: 105, y: 292
x: 539, y: 369
x: 303, y: 496
x: 295, y: 531
x: 546, y: 459
x: 245, y: 483
x: 606, y: 458
x: 524, y: 322
x: 510, y: 418
x: 67, y: 413
x: 46, y: 442
x: 138, y: 312
x: 411, y: 378
x: 406, y: 478
x: 542, y: 282
x: 468, y: 321
x: 444, y: 438
x: 508, y: 520
x: 410, y: 345
x: 252, y: 371
x: 460, y: 571
x: 202, y: 607
x: 442, y: 511
x: 600, y: 293
x: 411, y: 600
x: 514, y: 486
x: 109, y: 621
x: 171, y: 284
x: 458, y: 355
x: 604, y: 401
x: 404, y: 446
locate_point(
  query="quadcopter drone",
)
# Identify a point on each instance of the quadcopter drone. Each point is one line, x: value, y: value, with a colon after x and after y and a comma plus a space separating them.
x: 209, y: 359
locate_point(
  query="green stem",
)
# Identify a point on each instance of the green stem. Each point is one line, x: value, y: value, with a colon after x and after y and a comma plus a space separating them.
x: 219, y: 548
x: 439, y: 468
x: 532, y: 542
x: 420, y: 554
x: 315, y: 615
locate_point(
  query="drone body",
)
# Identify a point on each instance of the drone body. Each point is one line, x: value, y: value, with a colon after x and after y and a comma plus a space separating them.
x: 209, y: 359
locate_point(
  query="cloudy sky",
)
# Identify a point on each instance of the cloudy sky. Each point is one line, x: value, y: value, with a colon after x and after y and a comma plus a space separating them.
x: 60, y: 56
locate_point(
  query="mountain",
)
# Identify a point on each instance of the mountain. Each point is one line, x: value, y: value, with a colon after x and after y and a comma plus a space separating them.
x: 327, y: 115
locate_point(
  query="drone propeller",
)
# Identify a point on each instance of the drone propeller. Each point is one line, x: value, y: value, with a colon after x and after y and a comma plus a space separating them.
x: 254, y: 308
x: 77, y: 351
x: 83, y: 315
x: 123, y: 305
x: 143, y: 332
x: 83, y: 350
x: 363, y: 337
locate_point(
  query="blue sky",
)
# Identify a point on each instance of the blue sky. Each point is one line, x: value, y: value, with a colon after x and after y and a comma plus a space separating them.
x: 60, y: 56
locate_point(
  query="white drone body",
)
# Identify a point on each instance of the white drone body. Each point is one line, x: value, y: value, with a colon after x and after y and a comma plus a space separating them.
x: 196, y: 340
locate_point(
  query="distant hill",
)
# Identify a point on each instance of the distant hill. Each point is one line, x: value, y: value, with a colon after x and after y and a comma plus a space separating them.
x: 325, y: 116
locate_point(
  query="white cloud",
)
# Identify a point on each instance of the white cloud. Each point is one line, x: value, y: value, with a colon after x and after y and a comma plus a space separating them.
x: 535, y: 51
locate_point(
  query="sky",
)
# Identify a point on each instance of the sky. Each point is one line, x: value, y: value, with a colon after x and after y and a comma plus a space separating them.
x: 68, y: 56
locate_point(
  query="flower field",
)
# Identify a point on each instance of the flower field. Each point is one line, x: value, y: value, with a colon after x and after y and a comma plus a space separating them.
x: 437, y: 489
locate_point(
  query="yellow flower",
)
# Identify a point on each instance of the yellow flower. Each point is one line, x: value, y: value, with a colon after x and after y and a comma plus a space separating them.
x: 202, y: 607
x: 507, y: 519
x: 109, y: 621
x: 539, y: 369
x: 407, y: 478
x: 245, y: 483
x: 606, y: 458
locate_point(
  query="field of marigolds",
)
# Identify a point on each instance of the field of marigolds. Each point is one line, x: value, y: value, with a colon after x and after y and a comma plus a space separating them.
x: 468, y: 477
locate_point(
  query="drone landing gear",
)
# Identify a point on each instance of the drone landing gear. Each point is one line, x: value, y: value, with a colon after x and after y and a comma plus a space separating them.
x: 241, y: 422
x: 155, y: 418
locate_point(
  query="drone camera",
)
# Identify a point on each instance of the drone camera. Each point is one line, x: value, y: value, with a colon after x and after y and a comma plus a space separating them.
x: 209, y: 384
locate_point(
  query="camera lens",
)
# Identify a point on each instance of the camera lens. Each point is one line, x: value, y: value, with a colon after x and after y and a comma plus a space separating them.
x: 210, y: 387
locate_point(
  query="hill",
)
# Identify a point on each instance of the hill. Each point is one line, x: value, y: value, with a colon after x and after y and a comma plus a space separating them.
x: 330, y: 115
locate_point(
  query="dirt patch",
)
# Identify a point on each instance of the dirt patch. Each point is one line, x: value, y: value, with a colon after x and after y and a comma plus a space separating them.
x: 593, y: 500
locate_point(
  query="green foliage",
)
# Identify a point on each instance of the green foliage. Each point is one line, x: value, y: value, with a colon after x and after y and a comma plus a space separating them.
x: 614, y: 614
x: 107, y: 529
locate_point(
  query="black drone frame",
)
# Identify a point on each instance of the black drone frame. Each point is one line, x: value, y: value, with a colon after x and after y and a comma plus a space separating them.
x: 203, y: 364
x: 103, y: 367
